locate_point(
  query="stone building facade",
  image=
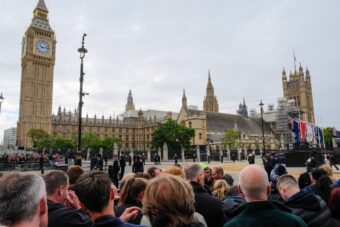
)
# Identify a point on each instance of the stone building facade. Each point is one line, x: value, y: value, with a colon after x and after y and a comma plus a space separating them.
x: 210, y: 126
x: 37, y: 66
x: 298, y: 87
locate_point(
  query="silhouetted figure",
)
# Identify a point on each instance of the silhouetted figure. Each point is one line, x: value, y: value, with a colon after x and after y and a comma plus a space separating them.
x: 41, y: 163
x: 122, y: 166
x: 175, y: 157
x: 138, y: 166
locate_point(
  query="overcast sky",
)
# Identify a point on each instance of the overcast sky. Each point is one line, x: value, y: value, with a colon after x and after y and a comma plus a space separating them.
x: 157, y: 48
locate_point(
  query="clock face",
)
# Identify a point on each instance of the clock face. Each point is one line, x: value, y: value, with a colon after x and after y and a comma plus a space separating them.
x: 42, y: 46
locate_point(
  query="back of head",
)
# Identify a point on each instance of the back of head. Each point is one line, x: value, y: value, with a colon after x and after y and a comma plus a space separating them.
x: 151, y: 171
x: 229, y: 179
x: 145, y: 176
x: 93, y: 190
x: 253, y: 183
x: 275, y: 174
x: 55, y: 179
x: 192, y: 171
x: 20, y: 195
x: 174, y: 170
x: 132, y: 191
x: 74, y: 173
x: 220, y: 189
x: 317, y: 173
x: 287, y: 186
x: 169, y: 201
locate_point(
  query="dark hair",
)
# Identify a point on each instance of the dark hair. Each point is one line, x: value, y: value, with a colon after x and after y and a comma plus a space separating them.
x: 207, y: 168
x: 151, y: 171
x: 93, y: 190
x: 74, y: 173
x: 317, y: 173
x: 54, y: 180
x: 132, y: 190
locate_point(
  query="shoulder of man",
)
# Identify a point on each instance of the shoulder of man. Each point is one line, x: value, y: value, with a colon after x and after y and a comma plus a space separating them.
x: 60, y: 215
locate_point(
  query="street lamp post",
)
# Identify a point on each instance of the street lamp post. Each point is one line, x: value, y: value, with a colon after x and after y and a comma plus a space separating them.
x: 263, y: 144
x: 1, y: 100
x: 82, y: 51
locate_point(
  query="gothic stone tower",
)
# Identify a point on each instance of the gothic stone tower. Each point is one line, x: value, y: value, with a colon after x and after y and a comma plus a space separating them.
x: 299, y: 88
x: 130, y: 105
x: 210, y: 103
x: 37, y: 64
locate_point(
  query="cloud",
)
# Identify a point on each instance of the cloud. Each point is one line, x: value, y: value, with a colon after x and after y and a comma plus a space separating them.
x: 157, y: 48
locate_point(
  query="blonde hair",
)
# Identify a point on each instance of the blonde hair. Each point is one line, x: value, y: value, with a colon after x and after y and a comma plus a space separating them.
x: 220, y: 189
x: 174, y: 170
x: 328, y: 169
x: 169, y: 201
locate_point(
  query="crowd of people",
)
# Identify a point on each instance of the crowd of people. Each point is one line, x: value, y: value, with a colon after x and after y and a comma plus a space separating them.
x: 193, y: 195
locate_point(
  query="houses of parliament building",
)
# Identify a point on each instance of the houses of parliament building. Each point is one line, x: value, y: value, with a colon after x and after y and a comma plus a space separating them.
x: 134, y: 127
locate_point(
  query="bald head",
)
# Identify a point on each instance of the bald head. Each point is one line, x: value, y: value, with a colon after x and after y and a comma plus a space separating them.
x: 254, y: 184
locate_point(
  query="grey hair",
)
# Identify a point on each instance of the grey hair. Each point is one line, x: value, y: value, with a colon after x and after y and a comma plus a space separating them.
x: 191, y: 171
x: 20, y: 194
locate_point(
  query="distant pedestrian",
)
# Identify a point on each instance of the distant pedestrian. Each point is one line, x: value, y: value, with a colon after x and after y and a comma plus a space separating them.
x: 138, y: 166
x: 221, y: 158
x: 175, y: 157
x: 194, y: 157
x: 332, y: 161
x: 41, y: 163
x: 122, y: 166
x: 129, y: 159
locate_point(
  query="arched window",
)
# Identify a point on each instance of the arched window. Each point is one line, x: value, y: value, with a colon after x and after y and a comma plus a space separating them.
x: 190, y: 125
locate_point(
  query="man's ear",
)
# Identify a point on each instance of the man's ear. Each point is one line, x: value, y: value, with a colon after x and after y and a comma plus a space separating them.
x: 42, y: 206
x: 240, y: 190
x: 112, y: 193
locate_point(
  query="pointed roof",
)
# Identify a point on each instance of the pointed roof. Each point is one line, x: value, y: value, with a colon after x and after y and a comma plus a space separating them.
x: 209, y: 78
x: 184, y: 93
x: 42, y: 6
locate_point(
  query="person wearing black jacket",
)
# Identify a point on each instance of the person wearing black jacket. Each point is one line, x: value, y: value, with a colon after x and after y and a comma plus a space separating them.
x: 305, y: 204
x: 138, y: 166
x: 207, y: 205
x: 122, y: 166
x: 57, y: 194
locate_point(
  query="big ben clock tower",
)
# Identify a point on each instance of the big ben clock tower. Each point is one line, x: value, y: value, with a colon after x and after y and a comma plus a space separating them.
x: 37, y: 65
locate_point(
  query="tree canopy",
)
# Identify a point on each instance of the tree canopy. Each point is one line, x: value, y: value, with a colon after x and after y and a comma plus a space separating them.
x: 328, y: 137
x: 37, y: 135
x: 231, y: 138
x: 175, y: 135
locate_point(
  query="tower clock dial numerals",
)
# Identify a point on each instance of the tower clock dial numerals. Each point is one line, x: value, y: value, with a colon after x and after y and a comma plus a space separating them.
x: 42, y: 46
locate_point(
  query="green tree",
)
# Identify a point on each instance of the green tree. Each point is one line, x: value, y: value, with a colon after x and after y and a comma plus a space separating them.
x: 92, y: 141
x: 64, y: 145
x: 45, y: 144
x: 328, y: 137
x: 37, y: 135
x: 231, y: 138
x: 173, y: 134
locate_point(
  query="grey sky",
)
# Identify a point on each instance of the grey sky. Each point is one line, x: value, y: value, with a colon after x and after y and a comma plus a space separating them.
x: 156, y: 48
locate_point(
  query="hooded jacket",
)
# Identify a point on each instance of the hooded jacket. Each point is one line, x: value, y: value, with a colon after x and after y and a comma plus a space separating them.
x: 310, y: 207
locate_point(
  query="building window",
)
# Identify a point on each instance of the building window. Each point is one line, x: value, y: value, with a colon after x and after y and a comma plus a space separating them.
x: 200, y: 136
x: 190, y: 125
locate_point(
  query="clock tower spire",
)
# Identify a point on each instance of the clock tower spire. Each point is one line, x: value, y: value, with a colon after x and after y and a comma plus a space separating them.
x: 37, y: 67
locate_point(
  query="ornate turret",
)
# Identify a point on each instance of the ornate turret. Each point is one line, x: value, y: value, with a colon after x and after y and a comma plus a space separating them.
x: 284, y: 77
x: 184, y: 100
x: 130, y: 105
x: 307, y: 74
x: 210, y: 103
